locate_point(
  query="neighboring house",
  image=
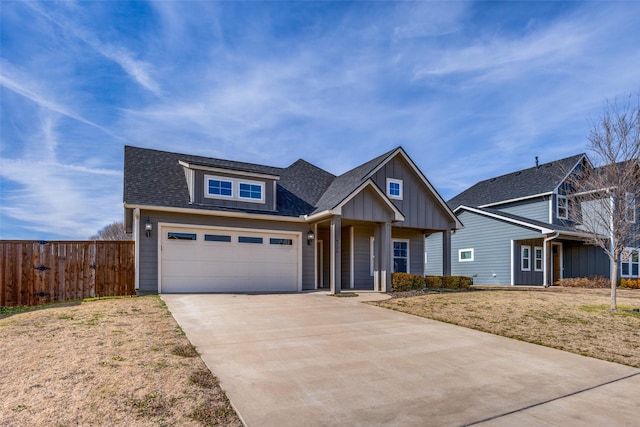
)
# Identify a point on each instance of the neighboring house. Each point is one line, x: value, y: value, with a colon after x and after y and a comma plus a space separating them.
x: 209, y: 225
x: 518, y: 231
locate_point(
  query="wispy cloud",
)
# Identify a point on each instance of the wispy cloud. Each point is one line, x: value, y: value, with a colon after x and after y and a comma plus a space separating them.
x: 139, y: 70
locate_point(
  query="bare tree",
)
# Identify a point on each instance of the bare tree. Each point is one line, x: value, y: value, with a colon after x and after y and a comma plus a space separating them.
x: 604, y: 198
x: 114, y: 231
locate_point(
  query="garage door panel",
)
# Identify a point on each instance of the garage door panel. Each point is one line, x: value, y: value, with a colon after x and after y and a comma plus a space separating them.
x: 225, y: 264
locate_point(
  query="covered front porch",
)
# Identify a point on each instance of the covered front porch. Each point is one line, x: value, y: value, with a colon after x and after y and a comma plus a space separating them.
x: 361, y: 255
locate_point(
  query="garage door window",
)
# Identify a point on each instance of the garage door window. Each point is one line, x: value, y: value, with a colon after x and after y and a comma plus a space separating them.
x: 286, y: 242
x: 244, y: 239
x: 216, y: 238
x: 172, y: 235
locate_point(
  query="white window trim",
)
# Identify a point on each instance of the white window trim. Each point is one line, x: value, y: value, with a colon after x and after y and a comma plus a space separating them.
x: 395, y: 181
x: 460, y: 251
x: 535, y: 258
x: 408, y: 253
x: 522, y: 258
x: 630, y: 263
x: 249, y: 199
x: 235, y: 189
x: 630, y: 207
x: 208, y: 195
x: 566, y: 207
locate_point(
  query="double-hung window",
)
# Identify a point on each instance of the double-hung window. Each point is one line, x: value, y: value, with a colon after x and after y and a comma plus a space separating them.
x: 400, y: 256
x: 630, y: 263
x: 630, y: 208
x: 251, y: 191
x: 525, y: 258
x: 563, y: 207
x: 538, y: 258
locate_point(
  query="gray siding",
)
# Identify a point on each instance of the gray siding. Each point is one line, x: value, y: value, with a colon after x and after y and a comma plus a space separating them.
x: 491, y: 241
x: 530, y: 277
x: 416, y: 248
x: 420, y: 208
x: 367, y: 206
x: 536, y: 209
x: 148, y: 265
x: 580, y: 260
x: 362, y: 257
x: 345, y: 257
x: 434, y: 258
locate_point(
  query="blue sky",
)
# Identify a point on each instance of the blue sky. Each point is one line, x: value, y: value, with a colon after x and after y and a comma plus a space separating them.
x: 471, y: 90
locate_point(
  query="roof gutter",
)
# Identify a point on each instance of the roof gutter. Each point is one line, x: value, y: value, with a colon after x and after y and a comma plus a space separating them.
x: 193, y: 211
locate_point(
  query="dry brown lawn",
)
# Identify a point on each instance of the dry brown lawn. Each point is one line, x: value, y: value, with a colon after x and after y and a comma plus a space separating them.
x: 575, y: 320
x: 116, y: 362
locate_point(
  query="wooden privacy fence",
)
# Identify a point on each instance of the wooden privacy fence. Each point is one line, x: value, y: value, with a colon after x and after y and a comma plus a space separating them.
x: 38, y: 272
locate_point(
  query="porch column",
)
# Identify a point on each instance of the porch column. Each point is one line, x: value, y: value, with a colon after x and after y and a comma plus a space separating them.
x: 446, y: 252
x: 382, y: 259
x: 386, y: 255
x: 335, y: 238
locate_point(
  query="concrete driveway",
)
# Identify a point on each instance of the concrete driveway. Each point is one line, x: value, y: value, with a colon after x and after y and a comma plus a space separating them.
x: 315, y: 360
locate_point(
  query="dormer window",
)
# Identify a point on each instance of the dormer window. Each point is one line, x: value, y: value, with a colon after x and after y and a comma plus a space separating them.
x: 563, y: 207
x: 217, y: 187
x: 220, y: 187
x: 394, y: 188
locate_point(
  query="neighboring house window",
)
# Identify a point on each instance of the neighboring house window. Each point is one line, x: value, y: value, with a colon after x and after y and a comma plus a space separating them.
x: 465, y: 255
x: 394, y: 188
x: 630, y: 262
x: 563, y: 207
x: 525, y: 258
x: 400, y: 256
x: 233, y: 189
x: 537, y: 253
x: 218, y: 187
x: 630, y: 208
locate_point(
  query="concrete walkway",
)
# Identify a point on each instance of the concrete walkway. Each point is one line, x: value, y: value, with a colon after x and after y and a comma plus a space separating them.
x: 316, y: 360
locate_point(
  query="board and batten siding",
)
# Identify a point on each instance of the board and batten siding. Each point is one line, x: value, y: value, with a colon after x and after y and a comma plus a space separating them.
x: 580, y: 260
x: 536, y: 209
x: 490, y: 240
x: 530, y: 276
x: 148, y: 255
x: 420, y: 208
x: 367, y: 206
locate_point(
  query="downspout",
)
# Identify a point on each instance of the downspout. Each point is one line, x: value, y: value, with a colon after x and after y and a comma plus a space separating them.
x: 545, y: 244
x: 136, y: 241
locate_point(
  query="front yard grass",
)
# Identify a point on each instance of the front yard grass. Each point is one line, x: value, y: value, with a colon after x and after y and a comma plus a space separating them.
x: 574, y: 320
x: 115, y: 362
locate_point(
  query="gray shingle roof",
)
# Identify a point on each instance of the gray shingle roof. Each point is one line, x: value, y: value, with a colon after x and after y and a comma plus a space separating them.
x: 524, y: 183
x: 346, y: 183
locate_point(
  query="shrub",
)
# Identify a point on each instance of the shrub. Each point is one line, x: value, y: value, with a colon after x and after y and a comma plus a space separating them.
x: 404, y: 282
x: 630, y: 283
x: 585, y: 282
x: 456, y: 282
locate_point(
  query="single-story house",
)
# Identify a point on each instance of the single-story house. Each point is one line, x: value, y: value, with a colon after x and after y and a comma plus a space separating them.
x: 211, y: 225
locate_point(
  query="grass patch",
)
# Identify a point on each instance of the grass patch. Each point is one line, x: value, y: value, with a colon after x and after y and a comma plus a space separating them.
x: 570, y: 319
x: 344, y: 295
x: 105, y: 362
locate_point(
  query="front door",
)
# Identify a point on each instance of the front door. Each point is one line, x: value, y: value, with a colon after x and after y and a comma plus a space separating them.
x: 556, y: 259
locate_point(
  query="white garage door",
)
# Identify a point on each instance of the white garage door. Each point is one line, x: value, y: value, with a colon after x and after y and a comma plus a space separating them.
x: 228, y: 260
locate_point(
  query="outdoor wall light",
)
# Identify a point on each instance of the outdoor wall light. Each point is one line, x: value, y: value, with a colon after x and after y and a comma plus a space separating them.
x: 310, y: 237
x: 148, y: 227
